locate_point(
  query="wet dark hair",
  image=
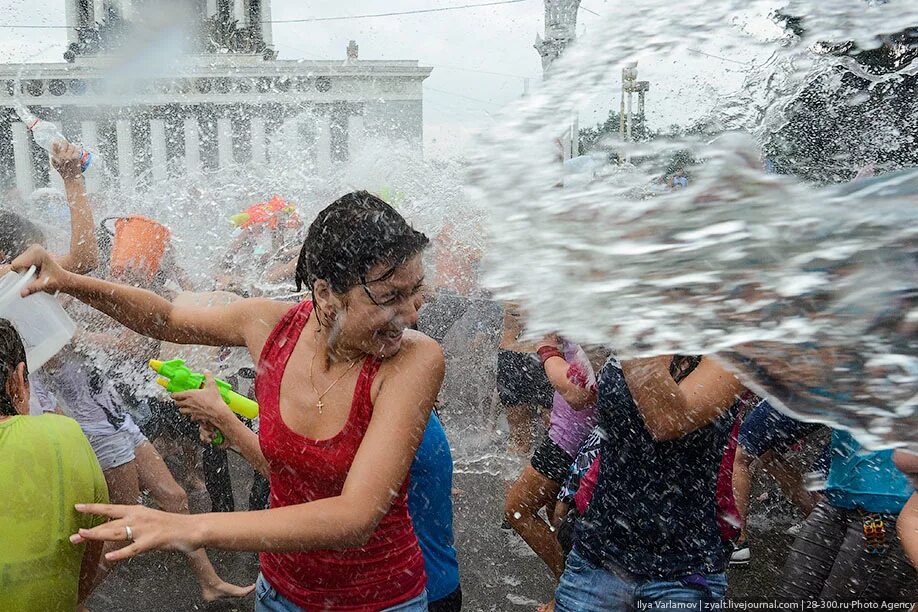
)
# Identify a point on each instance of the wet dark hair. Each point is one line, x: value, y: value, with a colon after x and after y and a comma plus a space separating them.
x: 356, y: 232
x: 12, y: 353
x: 16, y: 235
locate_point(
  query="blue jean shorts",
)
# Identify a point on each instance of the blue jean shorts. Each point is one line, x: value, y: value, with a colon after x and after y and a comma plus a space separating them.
x: 267, y: 599
x: 585, y: 587
x: 117, y: 448
x: 765, y: 429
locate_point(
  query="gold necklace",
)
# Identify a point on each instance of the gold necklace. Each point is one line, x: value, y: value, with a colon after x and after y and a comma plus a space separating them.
x: 312, y: 364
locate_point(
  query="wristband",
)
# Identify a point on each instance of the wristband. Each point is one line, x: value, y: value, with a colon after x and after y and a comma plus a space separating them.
x: 547, y: 352
x: 577, y: 375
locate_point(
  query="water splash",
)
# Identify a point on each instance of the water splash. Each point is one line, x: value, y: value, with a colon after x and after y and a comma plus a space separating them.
x: 807, y: 293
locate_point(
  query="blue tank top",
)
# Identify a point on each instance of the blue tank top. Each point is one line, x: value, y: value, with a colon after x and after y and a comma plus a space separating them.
x: 865, y: 480
x: 430, y: 503
x: 654, y: 510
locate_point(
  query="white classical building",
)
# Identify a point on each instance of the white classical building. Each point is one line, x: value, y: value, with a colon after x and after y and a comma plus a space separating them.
x: 221, y: 106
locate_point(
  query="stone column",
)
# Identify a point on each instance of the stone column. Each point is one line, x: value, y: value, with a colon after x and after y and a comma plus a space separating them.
x: 72, y: 14
x: 323, y: 144
x: 356, y: 134
x: 125, y: 153
x: 224, y: 142
x: 98, y: 10
x: 258, y: 140
x: 239, y: 12
x: 192, y: 146
x: 22, y: 158
x: 158, y: 159
x: 267, y: 34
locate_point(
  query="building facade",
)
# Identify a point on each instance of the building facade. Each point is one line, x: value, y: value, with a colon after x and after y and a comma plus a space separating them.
x: 225, y: 103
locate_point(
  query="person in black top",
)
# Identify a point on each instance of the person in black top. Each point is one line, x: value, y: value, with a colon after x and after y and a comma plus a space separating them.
x: 650, y: 536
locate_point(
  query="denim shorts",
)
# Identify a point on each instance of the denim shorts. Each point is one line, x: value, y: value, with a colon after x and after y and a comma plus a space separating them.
x: 115, y: 449
x: 585, y: 587
x: 551, y: 461
x: 768, y: 429
x: 267, y: 599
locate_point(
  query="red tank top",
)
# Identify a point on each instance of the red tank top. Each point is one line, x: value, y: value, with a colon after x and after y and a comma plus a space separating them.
x: 389, y: 569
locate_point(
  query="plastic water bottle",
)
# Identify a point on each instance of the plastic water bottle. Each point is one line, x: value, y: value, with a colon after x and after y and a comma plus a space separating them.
x: 46, y: 134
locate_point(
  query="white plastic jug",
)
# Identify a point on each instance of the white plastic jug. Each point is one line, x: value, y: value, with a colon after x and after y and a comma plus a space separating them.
x: 41, y: 321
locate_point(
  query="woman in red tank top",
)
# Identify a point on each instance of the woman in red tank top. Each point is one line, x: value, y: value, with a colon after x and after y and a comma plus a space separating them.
x: 345, y: 390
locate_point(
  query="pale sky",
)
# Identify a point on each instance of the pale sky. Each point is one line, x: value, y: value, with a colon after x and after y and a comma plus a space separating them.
x: 462, y: 47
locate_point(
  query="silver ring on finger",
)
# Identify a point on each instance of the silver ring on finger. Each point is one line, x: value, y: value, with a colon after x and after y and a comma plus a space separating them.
x: 129, y: 532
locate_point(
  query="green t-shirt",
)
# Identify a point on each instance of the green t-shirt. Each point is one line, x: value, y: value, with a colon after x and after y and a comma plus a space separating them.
x: 46, y: 466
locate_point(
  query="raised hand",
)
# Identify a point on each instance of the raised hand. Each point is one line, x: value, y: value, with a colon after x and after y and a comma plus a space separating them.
x: 65, y: 157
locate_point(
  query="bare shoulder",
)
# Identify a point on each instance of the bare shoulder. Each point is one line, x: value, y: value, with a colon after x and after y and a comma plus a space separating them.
x: 418, y: 352
x: 266, y: 308
x: 260, y: 315
x: 419, y: 347
x: 416, y: 371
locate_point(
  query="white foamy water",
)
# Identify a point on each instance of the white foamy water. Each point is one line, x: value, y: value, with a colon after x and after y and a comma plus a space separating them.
x: 808, y: 292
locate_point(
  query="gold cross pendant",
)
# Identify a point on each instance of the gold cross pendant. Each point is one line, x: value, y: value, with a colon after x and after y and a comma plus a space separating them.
x: 320, y: 406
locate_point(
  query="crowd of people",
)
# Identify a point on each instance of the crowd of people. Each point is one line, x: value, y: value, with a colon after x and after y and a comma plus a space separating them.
x: 638, y: 494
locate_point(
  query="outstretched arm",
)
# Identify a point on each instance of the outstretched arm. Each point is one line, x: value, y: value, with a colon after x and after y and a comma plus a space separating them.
x: 673, y: 410
x: 400, y: 413
x: 151, y: 315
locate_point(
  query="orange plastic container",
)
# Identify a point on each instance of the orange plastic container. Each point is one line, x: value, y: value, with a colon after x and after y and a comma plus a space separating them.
x: 138, y: 246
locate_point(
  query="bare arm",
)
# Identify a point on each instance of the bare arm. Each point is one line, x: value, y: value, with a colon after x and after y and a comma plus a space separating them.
x: 83, y: 255
x: 908, y: 464
x: 400, y: 415
x: 566, y: 378
x: 577, y: 396
x: 205, y: 406
x: 245, y: 441
x: 673, y: 410
x: 153, y: 316
x: 907, y: 526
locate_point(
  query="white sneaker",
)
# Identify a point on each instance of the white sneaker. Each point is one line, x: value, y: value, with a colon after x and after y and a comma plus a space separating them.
x: 793, y: 530
x: 741, y: 554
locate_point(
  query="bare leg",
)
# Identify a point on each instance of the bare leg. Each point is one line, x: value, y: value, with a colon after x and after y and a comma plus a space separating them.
x: 193, y: 466
x: 123, y: 489
x: 528, y: 494
x: 790, y: 481
x: 519, y: 419
x: 155, y: 477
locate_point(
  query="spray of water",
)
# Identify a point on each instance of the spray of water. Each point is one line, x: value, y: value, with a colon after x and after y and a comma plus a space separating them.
x: 808, y: 293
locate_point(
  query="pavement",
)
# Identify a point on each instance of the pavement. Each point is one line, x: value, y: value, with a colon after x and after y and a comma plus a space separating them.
x: 499, y: 572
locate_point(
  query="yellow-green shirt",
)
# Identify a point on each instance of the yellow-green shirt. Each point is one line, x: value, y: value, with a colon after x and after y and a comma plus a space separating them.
x: 46, y: 466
